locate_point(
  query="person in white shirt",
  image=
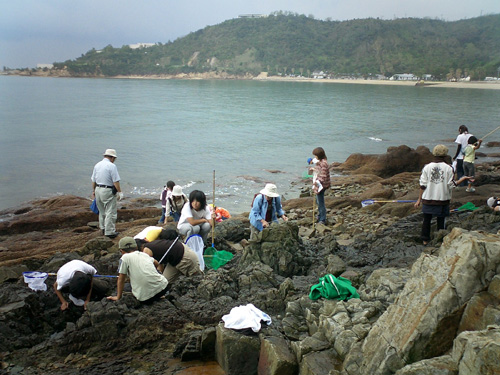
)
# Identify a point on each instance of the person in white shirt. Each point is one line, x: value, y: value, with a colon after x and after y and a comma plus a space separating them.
x: 462, y: 140
x: 196, y: 217
x: 76, y: 278
x: 105, y: 187
x: 436, y: 183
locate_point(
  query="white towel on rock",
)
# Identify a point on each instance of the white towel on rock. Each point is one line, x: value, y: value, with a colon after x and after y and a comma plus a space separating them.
x: 248, y: 316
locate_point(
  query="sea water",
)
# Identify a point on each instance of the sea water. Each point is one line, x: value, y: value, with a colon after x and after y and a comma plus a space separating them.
x: 53, y: 131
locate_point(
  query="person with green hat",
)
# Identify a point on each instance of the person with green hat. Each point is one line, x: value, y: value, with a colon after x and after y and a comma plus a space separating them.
x: 147, y: 284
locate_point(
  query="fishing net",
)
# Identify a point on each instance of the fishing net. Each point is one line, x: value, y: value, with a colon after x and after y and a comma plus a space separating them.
x: 36, y: 280
x: 469, y: 206
x: 216, y: 258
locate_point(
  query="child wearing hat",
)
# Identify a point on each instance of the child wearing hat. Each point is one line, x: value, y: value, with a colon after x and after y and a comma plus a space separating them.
x: 266, y: 208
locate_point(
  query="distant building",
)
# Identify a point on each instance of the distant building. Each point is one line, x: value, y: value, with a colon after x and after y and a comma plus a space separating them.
x: 318, y: 74
x: 43, y: 66
x: 404, y: 77
x: 141, y: 45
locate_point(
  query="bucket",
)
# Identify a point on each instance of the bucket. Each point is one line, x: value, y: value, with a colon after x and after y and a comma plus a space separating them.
x: 36, y: 280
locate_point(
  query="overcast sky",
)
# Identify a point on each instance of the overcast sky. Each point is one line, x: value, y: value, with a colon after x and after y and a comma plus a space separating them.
x: 47, y: 31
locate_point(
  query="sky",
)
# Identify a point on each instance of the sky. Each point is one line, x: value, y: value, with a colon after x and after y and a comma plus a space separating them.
x: 47, y: 31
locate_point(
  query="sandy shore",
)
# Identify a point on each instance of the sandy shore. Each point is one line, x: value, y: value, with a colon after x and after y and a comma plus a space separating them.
x: 495, y: 85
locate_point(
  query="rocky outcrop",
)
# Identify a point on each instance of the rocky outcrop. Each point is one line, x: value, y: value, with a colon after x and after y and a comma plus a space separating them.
x: 397, y: 160
x: 423, y: 322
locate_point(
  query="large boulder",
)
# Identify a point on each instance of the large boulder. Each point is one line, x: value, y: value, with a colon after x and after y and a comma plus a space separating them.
x: 280, y: 249
x: 236, y: 353
x: 395, y: 160
x: 423, y: 322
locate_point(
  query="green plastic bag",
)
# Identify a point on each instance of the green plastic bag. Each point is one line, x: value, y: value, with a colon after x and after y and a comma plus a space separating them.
x: 332, y: 287
x: 216, y: 259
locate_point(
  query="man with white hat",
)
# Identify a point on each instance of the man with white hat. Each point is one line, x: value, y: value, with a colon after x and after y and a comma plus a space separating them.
x: 105, y: 188
x: 266, y: 208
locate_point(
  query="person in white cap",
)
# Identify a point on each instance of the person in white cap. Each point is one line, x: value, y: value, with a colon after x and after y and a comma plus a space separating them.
x: 176, y: 202
x: 266, y: 208
x: 105, y: 189
x: 493, y: 203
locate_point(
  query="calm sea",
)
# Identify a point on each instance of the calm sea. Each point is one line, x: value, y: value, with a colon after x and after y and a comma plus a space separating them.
x: 53, y: 131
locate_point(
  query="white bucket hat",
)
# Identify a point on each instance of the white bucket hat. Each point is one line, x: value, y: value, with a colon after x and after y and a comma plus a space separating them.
x: 270, y: 190
x: 110, y: 152
x: 177, y: 191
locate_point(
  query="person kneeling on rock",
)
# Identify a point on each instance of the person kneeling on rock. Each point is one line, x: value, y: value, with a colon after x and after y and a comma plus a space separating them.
x: 266, y: 208
x: 172, y: 257
x: 147, y: 284
x: 76, y: 278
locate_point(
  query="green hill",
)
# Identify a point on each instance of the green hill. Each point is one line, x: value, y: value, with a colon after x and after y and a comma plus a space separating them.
x: 297, y: 44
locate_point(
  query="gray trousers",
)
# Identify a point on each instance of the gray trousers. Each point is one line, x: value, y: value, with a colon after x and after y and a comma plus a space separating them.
x: 106, y: 203
x: 203, y: 230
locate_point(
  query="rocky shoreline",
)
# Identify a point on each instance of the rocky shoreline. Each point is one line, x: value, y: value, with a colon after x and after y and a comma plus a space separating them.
x: 422, y: 310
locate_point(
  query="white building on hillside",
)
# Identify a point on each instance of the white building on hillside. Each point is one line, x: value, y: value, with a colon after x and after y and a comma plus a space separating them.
x: 404, y: 77
x: 141, y: 45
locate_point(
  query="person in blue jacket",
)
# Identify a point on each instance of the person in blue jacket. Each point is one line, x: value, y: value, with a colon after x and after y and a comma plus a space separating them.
x: 266, y: 208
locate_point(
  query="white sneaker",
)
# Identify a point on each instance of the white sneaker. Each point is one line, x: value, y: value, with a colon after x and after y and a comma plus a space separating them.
x: 470, y: 190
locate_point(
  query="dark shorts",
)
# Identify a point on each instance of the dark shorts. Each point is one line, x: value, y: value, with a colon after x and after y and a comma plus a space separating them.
x: 468, y: 169
x: 438, y: 211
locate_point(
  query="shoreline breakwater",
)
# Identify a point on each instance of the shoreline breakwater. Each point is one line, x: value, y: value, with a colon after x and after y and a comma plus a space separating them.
x: 421, y: 308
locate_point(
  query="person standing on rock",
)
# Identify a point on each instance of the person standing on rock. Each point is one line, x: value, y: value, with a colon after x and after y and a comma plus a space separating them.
x: 105, y: 188
x: 76, y: 278
x: 266, y: 208
x: 436, y: 184
x: 147, y: 284
x: 321, y: 182
x: 462, y: 140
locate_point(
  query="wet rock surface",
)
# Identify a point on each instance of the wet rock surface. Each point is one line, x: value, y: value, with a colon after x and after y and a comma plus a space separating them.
x: 421, y: 308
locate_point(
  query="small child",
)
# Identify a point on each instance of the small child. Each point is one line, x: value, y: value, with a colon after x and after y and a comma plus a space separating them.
x: 220, y: 213
x: 165, y: 194
x: 469, y: 157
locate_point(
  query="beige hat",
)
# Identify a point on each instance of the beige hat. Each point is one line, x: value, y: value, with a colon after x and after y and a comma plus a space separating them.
x: 440, y: 150
x: 127, y: 244
x: 110, y: 152
x: 177, y: 191
x: 270, y: 190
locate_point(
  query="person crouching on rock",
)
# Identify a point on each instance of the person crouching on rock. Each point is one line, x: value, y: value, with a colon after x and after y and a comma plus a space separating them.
x: 195, y: 216
x: 172, y: 257
x: 147, y: 284
x: 436, y: 183
x: 493, y: 203
x: 266, y: 208
x: 76, y: 278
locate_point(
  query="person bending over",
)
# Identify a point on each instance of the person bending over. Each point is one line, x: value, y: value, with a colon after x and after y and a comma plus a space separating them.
x: 147, y: 284
x: 172, y: 257
x: 76, y: 278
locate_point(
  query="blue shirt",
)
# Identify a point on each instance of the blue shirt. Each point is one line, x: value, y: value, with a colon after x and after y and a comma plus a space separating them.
x: 105, y: 173
x: 259, y: 209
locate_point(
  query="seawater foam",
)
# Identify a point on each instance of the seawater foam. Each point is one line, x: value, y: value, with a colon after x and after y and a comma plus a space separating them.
x: 375, y: 139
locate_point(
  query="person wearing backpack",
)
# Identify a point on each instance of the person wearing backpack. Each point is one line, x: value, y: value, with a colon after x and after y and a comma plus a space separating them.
x: 176, y: 202
x: 266, y: 208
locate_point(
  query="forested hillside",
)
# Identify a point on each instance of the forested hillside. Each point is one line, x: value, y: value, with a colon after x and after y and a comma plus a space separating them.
x: 284, y: 43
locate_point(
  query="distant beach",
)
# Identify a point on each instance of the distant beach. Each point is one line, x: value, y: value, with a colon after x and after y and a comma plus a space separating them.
x: 495, y: 85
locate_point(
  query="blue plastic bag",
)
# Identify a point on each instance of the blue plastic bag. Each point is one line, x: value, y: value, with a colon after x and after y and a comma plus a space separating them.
x: 93, y: 207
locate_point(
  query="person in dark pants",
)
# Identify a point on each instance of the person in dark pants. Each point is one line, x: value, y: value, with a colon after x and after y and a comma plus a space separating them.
x: 436, y: 184
x: 462, y: 141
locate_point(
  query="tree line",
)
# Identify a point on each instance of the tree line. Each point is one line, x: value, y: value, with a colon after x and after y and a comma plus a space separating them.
x: 287, y: 43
